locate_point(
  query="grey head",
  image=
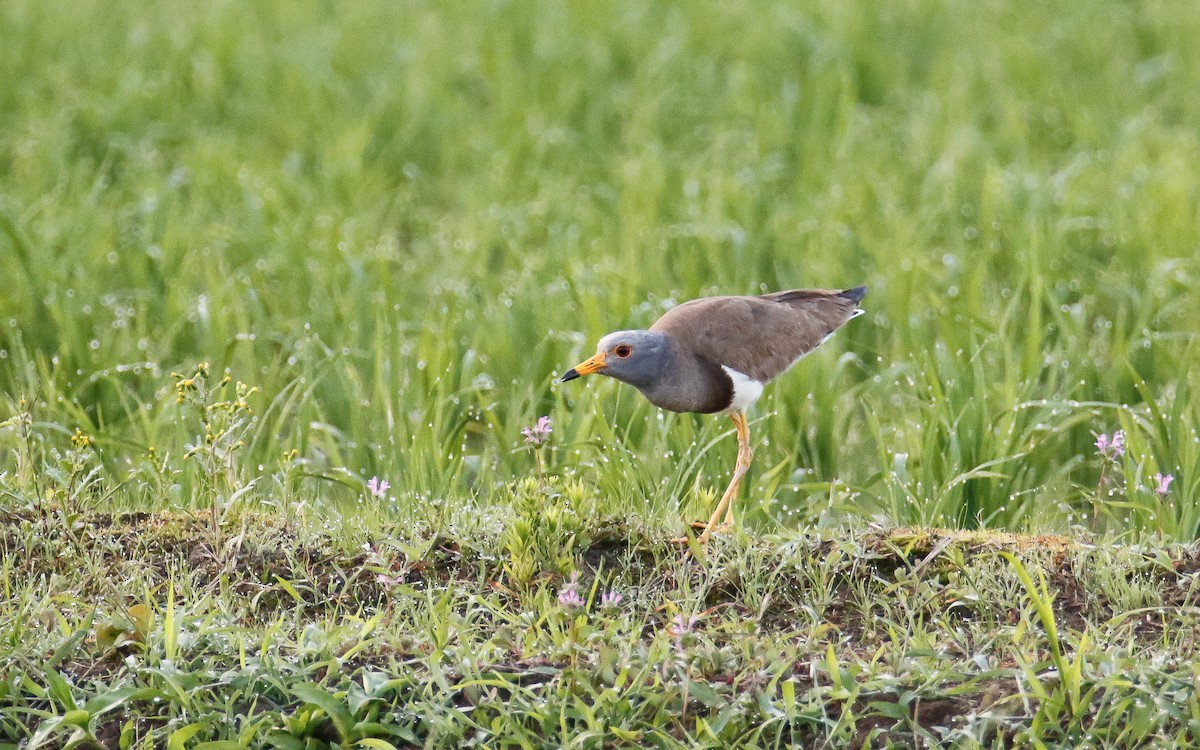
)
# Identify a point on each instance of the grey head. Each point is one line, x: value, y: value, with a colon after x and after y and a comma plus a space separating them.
x: 635, y: 357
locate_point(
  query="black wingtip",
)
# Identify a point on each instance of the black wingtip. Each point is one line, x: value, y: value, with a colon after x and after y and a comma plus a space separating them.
x: 856, y: 294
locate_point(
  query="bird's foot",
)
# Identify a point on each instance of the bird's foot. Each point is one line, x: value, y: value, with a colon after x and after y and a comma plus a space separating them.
x: 706, y: 535
x: 725, y: 525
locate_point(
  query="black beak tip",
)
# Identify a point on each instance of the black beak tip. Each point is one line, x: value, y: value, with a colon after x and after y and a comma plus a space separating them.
x: 569, y: 375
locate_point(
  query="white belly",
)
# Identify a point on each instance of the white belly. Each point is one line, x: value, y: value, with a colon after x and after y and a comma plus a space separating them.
x: 746, y: 389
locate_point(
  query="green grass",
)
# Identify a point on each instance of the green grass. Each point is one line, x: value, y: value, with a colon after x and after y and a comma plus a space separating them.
x: 148, y: 630
x: 391, y: 225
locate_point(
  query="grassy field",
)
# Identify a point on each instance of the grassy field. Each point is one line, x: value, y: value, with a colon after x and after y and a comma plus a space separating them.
x: 259, y: 257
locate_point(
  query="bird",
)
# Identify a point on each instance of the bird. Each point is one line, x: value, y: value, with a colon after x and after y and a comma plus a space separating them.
x: 716, y: 354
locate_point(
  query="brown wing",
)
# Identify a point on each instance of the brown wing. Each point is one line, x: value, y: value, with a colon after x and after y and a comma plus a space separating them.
x: 759, y: 336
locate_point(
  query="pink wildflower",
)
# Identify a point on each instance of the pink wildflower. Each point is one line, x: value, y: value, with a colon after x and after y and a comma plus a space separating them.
x: 1113, y: 447
x: 1162, y: 484
x: 539, y: 433
x: 569, y: 597
x: 611, y: 599
x: 377, y: 487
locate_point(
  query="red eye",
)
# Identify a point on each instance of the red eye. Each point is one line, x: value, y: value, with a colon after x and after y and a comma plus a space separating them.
x: 623, y: 350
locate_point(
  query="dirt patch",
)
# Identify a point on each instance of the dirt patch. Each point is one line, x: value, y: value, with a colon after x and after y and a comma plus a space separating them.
x: 264, y: 560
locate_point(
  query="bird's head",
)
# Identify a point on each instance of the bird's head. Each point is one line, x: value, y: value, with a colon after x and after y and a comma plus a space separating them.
x: 634, y: 357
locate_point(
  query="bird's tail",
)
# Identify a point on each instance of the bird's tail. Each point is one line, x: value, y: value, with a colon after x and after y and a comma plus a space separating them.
x: 855, y: 295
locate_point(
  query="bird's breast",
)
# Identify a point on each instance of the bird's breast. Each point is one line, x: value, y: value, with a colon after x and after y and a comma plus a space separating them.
x: 746, y: 390
x: 694, y: 385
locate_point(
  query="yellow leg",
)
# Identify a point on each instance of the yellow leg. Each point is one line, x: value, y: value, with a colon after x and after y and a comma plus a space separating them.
x: 725, y: 505
x: 743, y: 465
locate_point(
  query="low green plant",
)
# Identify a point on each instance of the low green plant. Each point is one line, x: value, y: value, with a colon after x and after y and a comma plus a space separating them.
x: 548, y: 529
x: 223, y: 415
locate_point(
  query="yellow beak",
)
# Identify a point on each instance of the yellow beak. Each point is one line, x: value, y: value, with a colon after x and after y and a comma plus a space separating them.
x: 587, y: 367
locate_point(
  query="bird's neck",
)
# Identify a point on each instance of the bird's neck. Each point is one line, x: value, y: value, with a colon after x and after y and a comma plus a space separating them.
x: 687, y: 383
